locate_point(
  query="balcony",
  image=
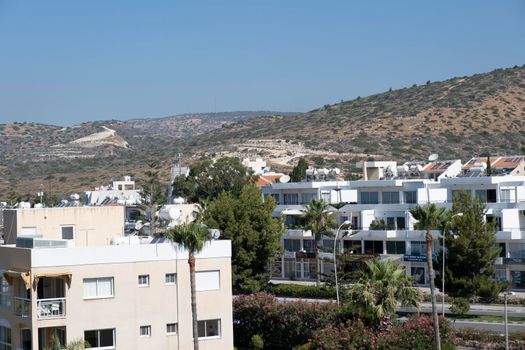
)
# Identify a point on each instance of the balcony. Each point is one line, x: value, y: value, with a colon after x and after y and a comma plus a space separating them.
x: 22, y: 307
x: 51, y: 308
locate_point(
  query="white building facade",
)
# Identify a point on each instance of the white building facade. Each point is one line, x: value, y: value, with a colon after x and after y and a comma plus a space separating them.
x: 363, y: 202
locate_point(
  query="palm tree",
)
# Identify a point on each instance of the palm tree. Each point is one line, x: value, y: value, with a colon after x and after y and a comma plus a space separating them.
x: 320, y: 221
x: 430, y: 218
x: 382, y: 285
x: 192, y: 237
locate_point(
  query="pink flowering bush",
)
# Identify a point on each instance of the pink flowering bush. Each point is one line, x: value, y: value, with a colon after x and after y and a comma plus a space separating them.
x: 281, y: 325
x: 416, y: 333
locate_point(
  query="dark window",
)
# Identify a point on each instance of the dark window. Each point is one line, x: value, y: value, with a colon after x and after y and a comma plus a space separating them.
x: 391, y: 223
x: 397, y: 247
x: 491, y: 196
x: 390, y: 197
x: 418, y: 248
x: 400, y: 220
x: 352, y: 246
x: 503, y: 252
x: 410, y: 197
x: 369, y: 198
x: 496, y: 220
x: 373, y: 247
x: 100, y: 338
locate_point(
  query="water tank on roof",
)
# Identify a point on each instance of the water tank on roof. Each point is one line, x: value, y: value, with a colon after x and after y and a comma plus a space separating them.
x: 74, y: 197
x: 179, y: 200
x: 24, y: 205
x: 170, y: 213
x: 39, y: 205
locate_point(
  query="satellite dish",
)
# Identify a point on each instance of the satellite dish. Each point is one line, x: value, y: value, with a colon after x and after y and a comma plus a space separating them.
x: 215, y: 233
x: 284, y: 179
x: 433, y: 157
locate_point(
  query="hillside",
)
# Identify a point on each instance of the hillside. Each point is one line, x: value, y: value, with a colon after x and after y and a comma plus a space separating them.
x: 457, y: 118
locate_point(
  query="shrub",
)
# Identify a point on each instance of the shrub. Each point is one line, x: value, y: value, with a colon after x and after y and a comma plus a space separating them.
x: 300, y: 291
x: 280, y: 325
x: 416, y: 333
x: 257, y: 342
x: 460, y: 306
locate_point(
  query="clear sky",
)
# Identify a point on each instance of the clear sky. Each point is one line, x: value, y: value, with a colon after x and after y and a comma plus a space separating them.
x: 64, y: 62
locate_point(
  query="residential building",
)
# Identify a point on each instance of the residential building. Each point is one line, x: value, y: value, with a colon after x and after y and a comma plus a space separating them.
x: 126, y: 296
x: 122, y: 192
x: 79, y: 226
x: 389, y: 198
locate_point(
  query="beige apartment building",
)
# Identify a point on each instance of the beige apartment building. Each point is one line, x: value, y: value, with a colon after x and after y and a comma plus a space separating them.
x: 134, y: 294
x: 80, y: 226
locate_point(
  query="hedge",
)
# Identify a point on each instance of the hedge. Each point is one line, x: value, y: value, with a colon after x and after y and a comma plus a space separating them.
x: 301, y: 291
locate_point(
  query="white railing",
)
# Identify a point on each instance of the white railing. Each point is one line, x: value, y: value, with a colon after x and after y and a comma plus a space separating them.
x: 51, y: 308
x: 22, y: 307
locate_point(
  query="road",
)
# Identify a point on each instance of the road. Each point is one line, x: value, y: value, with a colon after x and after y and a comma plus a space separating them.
x: 489, y: 326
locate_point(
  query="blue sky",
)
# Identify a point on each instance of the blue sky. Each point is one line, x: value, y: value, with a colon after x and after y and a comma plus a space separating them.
x: 64, y: 62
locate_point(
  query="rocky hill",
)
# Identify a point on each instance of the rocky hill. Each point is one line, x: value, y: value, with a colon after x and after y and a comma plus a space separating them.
x: 457, y: 118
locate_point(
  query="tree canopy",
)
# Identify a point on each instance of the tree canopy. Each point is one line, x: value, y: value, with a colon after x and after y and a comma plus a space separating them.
x: 471, y: 254
x: 208, y: 179
x: 298, y: 173
x: 382, y: 285
x: 255, y: 234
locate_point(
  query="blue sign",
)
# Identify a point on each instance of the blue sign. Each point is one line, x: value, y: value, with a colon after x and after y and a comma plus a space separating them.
x: 415, y: 258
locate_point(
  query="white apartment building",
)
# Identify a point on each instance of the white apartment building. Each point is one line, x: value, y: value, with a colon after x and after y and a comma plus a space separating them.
x: 362, y: 202
x: 130, y: 293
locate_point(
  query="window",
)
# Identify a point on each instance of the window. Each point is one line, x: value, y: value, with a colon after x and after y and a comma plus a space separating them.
x: 390, y: 223
x: 292, y: 245
x: 517, y: 250
x: 396, y: 247
x: 390, y: 197
x: 400, y: 222
x: 369, y: 198
x: 209, y: 328
x: 98, y: 288
x: 352, y: 246
x: 5, y: 338
x: 145, y: 331
x: 418, y: 248
x: 308, y: 197
x: 143, y: 280
x: 495, y: 220
x: 488, y: 196
x: 171, y: 328
x: 410, y: 197
x: 328, y: 244
x: 503, y: 251
x: 67, y: 232
x: 170, y: 278
x: 418, y: 274
x: 101, y: 338
x: 507, y: 195
x: 517, y: 279
x: 5, y: 294
x: 373, y: 247
x: 309, y: 245
x: 291, y: 198
x: 207, y: 280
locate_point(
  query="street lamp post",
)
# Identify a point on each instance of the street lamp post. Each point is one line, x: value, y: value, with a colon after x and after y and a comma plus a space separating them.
x: 345, y: 223
x: 443, y: 269
x: 505, y: 295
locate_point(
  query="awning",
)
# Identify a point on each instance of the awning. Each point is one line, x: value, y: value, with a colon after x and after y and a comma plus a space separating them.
x: 10, y: 275
x: 66, y: 276
x: 293, y: 212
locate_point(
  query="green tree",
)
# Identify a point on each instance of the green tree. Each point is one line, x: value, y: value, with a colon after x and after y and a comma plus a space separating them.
x: 192, y: 237
x: 298, y: 173
x: 488, y: 170
x: 208, y: 179
x: 153, y: 189
x: 382, y: 286
x: 460, y: 306
x: 429, y: 218
x: 378, y: 225
x: 255, y: 235
x: 471, y: 256
x: 321, y: 222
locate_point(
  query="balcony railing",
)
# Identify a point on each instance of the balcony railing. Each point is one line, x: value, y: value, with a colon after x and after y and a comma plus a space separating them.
x: 22, y: 307
x: 51, y: 308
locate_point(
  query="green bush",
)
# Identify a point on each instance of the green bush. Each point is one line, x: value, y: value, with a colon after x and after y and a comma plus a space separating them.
x: 280, y: 325
x: 257, y: 342
x: 301, y: 291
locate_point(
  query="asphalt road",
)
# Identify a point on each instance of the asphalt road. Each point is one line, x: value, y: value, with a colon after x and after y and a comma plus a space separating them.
x: 489, y: 326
